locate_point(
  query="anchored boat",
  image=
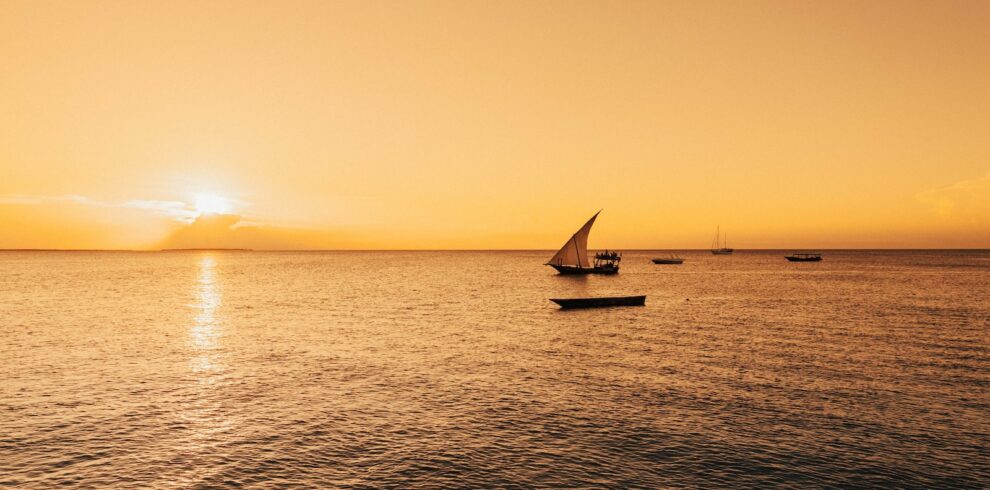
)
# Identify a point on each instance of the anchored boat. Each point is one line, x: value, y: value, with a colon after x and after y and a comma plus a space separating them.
x: 720, y: 247
x: 807, y: 257
x: 670, y: 259
x: 567, y: 304
x: 572, y: 258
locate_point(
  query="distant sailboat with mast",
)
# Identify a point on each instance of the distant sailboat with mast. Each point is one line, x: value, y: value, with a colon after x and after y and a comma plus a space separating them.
x: 572, y: 258
x: 720, y: 247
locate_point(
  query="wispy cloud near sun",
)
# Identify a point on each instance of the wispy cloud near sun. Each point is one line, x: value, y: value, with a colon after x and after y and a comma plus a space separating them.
x: 177, y: 210
x: 151, y: 224
x: 967, y: 201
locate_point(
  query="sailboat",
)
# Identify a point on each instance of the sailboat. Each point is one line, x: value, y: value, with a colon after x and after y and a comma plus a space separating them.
x: 572, y: 258
x: 720, y: 247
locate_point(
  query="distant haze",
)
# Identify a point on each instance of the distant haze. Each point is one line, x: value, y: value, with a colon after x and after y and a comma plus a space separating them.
x: 146, y: 125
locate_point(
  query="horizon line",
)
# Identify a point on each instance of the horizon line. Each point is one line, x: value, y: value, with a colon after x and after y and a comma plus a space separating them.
x: 225, y: 249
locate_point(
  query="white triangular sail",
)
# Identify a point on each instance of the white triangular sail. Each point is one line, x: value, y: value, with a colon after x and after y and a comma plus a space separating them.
x: 575, y: 251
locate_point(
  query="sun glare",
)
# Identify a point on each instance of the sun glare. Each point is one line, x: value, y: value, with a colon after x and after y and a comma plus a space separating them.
x: 210, y: 204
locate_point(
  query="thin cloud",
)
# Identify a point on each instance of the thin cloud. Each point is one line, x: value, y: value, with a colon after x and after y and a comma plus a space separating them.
x: 22, y: 199
x: 967, y: 201
x: 174, y: 209
x: 177, y: 210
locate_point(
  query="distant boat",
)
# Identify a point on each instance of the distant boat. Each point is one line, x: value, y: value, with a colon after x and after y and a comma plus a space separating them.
x: 670, y: 259
x: 812, y: 257
x: 572, y: 258
x: 572, y: 303
x: 720, y: 247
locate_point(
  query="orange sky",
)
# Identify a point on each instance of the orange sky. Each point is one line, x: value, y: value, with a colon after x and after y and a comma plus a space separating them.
x: 459, y: 124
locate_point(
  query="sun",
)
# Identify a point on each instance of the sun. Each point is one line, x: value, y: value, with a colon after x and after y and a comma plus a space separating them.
x: 211, y: 204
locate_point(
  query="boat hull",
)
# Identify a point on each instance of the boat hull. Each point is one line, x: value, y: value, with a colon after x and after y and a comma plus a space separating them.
x: 803, y: 259
x: 573, y: 270
x: 574, y: 303
x: 668, y: 261
x: 722, y: 251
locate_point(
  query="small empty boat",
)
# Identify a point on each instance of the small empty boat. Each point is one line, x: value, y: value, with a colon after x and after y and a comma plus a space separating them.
x: 571, y: 303
x: 812, y: 257
x: 668, y: 260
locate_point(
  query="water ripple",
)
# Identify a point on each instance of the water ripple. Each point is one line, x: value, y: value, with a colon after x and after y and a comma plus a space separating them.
x: 427, y: 370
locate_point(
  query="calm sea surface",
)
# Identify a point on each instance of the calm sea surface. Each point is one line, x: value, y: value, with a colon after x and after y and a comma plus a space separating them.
x: 451, y: 369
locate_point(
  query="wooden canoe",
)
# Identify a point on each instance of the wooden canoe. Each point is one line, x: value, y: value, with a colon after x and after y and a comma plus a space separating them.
x: 571, y: 303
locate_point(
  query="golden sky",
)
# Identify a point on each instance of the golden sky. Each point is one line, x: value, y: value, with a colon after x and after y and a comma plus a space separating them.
x: 484, y: 124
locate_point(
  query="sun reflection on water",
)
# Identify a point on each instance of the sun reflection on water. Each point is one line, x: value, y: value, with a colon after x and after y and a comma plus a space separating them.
x: 207, y: 426
x: 205, y: 333
x: 204, y: 336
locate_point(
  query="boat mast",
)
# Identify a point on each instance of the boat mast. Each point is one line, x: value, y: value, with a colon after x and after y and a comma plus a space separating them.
x: 576, y: 247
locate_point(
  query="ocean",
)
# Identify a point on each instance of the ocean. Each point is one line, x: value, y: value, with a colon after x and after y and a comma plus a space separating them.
x: 413, y: 370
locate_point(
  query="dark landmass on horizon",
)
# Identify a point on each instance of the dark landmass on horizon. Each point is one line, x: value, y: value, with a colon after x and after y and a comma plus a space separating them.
x: 209, y: 249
